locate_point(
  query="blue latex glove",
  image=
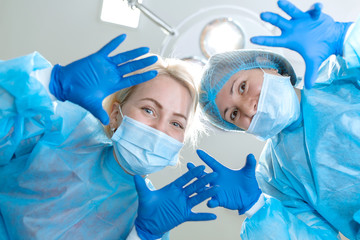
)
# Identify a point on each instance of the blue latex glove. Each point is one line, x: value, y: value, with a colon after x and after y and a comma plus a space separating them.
x: 238, y: 189
x: 313, y: 34
x: 88, y: 81
x: 161, y: 210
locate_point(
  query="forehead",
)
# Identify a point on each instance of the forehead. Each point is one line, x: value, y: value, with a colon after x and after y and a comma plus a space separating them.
x: 159, y: 85
x: 223, y: 98
x: 225, y: 90
x: 167, y: 91
x: 254, y: 79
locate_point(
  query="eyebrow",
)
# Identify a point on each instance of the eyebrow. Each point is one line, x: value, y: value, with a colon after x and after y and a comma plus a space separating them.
x: 231, y: 93
x: 232, y: 87
x: 154, y: 101
x: 161, y: 107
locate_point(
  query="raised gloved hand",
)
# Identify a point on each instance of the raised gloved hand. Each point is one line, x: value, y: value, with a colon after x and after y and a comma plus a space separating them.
x: 313, y: 34
x: 161, y: 210
x: 238, y: 189
x: 89, y: 80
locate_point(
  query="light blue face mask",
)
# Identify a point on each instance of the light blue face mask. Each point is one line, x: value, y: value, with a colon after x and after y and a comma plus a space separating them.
x: 142, y: 150
x: 278, y: 107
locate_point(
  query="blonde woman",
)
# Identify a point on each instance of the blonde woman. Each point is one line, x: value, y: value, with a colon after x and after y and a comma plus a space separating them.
x: 64, y: 178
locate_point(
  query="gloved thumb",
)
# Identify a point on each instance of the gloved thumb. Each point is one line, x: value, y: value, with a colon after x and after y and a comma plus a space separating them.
x: 101, y: 114
x: 250, y: 163
x: 140, y: 185
x: 190, y: 165
x: 315, y: 11
x: 311, y: 74
x: 202, y: 217
x: 213, y: 203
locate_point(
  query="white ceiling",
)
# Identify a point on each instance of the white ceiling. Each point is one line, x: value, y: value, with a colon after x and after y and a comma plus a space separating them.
x: 66, y: 30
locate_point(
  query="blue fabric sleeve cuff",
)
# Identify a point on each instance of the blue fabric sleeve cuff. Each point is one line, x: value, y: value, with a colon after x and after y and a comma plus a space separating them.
x: 259, y: 204
x: 351, y: 46
x: 44, y: 76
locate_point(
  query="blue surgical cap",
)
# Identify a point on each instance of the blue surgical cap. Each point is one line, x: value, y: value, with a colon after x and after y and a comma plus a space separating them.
x: 222, y: 66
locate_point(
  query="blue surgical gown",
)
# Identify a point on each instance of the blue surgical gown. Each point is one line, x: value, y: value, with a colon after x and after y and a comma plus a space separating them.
x: 58, y: 175
x: 311, y: 170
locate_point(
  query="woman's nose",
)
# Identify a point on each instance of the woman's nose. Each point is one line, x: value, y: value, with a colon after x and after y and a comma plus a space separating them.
x: 159, y: 125
x: 248, y: 108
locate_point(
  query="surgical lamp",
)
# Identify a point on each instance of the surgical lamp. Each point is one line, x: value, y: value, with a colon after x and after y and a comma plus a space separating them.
x: 220, y: 35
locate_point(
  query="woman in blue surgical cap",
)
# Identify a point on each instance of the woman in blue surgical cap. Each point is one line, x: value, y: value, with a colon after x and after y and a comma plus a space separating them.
x: 64, y: 177
x: 307, y: 182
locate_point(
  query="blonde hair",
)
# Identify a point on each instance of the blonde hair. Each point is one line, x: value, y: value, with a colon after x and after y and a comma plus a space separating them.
x: 183, y: 72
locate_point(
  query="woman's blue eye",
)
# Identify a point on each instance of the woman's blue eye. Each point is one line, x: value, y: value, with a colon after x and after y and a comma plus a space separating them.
x: 242, y: 87
x: 149, y: 111
x: 177, y: 125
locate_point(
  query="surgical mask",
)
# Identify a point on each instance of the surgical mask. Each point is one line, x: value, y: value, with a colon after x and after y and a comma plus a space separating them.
x: 278, y: 107
x: 142, y: 150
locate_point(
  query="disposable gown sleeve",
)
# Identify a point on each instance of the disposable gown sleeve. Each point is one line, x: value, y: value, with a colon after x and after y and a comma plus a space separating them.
x: 275, y: 221
x: 352, y: 46
x: 339, y: 68
x: 285, y: 215
x: 25, y: 106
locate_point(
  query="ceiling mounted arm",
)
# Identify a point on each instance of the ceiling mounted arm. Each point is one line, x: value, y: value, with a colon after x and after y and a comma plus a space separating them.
x: 168, y: 29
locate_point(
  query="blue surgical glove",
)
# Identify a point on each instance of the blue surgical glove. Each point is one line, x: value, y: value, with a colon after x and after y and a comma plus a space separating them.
x: 88, y: 81
x: 238, y: 189
x: 162, y: 210
x: 313, y: 34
